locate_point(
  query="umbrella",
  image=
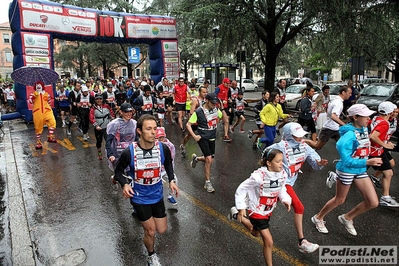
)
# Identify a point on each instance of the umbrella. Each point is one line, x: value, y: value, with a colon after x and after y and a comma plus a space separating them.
x: 29, y: 75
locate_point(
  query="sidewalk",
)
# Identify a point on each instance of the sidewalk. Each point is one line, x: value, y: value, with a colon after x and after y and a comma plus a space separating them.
x: 21, y: 246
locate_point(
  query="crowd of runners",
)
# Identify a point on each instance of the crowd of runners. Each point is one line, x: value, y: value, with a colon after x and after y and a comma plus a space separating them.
x: 129, y: 117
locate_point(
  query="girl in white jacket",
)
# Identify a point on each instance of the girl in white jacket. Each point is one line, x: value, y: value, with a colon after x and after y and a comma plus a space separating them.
x: 259, y: 194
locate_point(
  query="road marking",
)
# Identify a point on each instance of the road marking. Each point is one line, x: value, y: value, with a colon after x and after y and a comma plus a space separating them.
x: 241, y: 229
x: 66, y: 143
x: 85, y: 144
x: 44, y: 149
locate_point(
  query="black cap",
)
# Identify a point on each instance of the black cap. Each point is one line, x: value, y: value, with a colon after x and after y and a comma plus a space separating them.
x: 126, y: 107
x: 147, y: 88
x: 98, y: 96
x: 212, y: 97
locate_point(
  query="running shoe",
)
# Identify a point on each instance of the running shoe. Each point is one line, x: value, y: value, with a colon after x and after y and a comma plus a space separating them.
x: 388, y: 201
x: 209, y: 188
x: 320, y: 225
x: 226, y: 139
x: 194, y: 160
x: 242, y: 131
x: 63, y: 123
x: 307, y: 247
x: 250, y: 134
x: 68, y: 131
x: 85, y: 137
x: 233, y: 213
x: 278, y: 132
x: 182, y: 150
x: 259, y: 144
x: 100, y: 155
x: 153, y: 260
x: 331, y: 179
x: 231, y: 129
x: 172, y: 200
x: 376, y: 181
x: 113, y: 180
x: 348, y: 225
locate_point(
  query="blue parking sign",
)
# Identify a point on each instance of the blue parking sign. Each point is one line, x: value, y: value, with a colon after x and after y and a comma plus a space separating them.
x: 133, y: 55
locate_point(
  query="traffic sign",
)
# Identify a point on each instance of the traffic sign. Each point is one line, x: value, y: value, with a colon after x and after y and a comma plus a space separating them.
x: 133, y: 55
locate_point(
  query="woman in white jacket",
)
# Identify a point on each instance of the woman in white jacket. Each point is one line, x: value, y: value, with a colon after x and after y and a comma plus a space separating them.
x: 259, y: 194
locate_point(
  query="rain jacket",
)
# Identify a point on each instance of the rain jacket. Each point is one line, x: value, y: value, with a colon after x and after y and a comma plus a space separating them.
x: 346, y: 146
x: 295, y: 154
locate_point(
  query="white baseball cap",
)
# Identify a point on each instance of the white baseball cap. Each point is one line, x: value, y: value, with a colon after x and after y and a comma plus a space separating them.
x: 359, y: 109
x: 143, y: 83
x: 297, y: 130
x: 386, y: 108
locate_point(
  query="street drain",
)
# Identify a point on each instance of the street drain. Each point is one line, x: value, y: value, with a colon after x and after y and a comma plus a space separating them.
x: 72, y: 258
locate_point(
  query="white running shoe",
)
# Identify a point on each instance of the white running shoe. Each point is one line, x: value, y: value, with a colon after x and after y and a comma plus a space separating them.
x: 233, y: 213
x: 331, y: 179
x: 348, y: 225
x: 307, y: 247
x: 209, y: 188
x: 388, y: 201
x: 153, y: 260
x: 193, y: 160
x: 320, y: 225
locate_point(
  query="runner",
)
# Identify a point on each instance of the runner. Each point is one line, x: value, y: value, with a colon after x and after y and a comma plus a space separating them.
x: 269, y: 117
x: 161, y: 136
x: 258, y: 107
x: 379, y: 138
x: 83, y: 102
x: 100, y: 116
x: 72, y: 97
x: 145, y: 159
x: 120, y: 133
x: 263, y: 189
x: 196, y: 103
x: 207, y: 118
x: 161, y: 107
x: 296, y: 152
x: 353, y: 148
x: 145, y: 103
x: 238, y: 106
x: 179, y: 99
x: 63, y: 103
x: 222, y: 93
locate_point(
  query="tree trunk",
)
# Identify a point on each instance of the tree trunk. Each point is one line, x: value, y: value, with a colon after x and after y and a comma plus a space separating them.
x: 395, y: 71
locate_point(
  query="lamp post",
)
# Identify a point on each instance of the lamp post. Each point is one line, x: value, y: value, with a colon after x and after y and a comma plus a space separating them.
x: 215, y: 30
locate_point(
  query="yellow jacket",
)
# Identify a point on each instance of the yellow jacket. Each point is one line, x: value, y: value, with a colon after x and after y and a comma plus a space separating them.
x: 270, y: 114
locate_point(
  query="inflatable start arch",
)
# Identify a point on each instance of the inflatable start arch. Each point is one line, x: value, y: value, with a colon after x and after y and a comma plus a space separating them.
x: 36, y: 23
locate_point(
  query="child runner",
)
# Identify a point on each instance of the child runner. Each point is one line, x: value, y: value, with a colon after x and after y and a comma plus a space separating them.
x: 263, y: 188
x: 161, y: 136
x: 258, y: 107
x: 354, y: 148
x: 161, y: 107
x: 296, y: 152
x: 239, y: 105
x: 393, y: 124
x: 379, y: 142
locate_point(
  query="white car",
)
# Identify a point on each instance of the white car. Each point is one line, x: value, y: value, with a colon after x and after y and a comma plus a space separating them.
x: 248, y: 85
x: 293, y: 95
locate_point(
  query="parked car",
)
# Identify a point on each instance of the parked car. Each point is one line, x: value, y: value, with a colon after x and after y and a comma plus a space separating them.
x: 261, y: 83
x: 335, y: 87
x: 376, y: 93
x: 293, y: 95
x: 248, y: 85
x: 199, y: 82
x: 368, y: 81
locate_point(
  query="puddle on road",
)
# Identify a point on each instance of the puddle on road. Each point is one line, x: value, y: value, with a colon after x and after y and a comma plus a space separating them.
x: 72, y: 258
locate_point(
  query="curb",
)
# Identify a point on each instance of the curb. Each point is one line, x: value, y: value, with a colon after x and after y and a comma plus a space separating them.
x: 21, y: 244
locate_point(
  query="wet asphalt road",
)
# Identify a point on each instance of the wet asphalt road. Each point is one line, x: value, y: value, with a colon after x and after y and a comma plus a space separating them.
x: 71, y: 205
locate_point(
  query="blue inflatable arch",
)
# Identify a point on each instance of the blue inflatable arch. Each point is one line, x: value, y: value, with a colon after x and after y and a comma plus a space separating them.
x: 36, y: 23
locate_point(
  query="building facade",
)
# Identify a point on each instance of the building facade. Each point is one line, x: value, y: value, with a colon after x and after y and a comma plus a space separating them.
x: 6, y: 55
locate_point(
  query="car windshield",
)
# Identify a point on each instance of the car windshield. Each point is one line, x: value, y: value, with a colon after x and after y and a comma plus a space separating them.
x: 334, y: 88
x: 295, y: 89
x: 378, y: 90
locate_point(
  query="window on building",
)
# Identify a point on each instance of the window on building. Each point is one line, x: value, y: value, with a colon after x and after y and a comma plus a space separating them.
x: 6, y: 38
x: 124, y: 72
x: 8, y: 56
x: 137, y: 72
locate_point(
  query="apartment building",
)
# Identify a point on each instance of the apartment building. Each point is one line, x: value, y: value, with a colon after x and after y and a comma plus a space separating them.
x: 6, y: 56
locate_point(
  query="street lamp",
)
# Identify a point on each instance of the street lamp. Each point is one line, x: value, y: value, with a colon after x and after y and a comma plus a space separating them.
x: 215, y: 31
